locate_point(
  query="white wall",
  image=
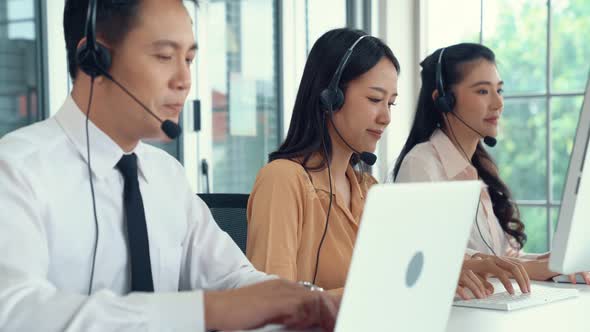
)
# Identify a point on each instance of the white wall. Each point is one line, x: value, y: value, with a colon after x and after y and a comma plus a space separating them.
x: 398, y: 26
x: 294, y: 55
x: 57, y: 73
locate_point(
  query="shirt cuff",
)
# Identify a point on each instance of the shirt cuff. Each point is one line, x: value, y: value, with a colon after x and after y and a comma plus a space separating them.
x: 525, y: 255
x: 470, y: 252
x: 181, y: 311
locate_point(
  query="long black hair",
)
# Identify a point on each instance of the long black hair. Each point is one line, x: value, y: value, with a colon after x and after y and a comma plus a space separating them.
x: 427, y: 119
x: 308, y: 124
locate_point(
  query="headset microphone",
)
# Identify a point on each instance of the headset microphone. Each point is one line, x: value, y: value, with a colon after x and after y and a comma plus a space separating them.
x: 367, y: 157
x: 488, y: 140
x: 171, y: 129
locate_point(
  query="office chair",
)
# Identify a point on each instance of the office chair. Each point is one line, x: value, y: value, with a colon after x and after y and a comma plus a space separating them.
x: 229, y: 211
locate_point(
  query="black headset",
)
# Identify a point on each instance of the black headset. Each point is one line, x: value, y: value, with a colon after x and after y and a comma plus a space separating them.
x: 332, y: 97
x: 331, y: 100
x: 92, y: 57
x: 444, y: 102
x: 94, y: 60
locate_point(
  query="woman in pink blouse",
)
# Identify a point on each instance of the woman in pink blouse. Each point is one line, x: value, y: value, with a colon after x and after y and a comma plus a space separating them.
x: 460, y: 103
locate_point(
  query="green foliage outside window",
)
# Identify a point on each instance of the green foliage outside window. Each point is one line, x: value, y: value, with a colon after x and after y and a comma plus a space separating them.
x: 516, y: 31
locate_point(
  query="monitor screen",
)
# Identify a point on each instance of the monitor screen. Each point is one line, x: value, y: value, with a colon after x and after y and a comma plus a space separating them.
x: 570, y: 251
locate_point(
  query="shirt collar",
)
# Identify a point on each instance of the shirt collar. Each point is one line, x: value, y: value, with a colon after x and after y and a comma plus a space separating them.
x: 104, y: 152
x: 321, y: 180
x: 453, y: 162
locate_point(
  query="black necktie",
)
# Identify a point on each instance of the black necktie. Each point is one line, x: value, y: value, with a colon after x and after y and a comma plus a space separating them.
x: 137, y: 235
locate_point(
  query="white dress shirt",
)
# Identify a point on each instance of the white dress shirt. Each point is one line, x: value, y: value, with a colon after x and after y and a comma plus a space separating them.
x: 439, y: 160
x: 47, y: 236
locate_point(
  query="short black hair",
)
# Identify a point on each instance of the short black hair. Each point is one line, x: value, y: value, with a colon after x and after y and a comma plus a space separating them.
x: 114, y: 19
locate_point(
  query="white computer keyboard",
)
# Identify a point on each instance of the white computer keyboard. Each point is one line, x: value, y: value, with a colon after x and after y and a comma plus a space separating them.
x: 505, y: 301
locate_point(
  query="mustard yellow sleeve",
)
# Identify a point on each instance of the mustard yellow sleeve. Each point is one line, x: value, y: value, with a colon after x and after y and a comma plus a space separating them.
x: 336, y: 291
x: 275, y: 216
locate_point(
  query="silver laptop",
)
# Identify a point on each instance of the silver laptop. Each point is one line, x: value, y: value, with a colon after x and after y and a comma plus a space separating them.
x: 407, y: 256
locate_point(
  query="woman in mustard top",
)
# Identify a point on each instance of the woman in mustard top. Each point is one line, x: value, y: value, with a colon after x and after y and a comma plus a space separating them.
x: 288, y: 234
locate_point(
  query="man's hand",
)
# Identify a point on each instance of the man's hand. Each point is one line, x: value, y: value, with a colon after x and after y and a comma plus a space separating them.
x: 270, y: 302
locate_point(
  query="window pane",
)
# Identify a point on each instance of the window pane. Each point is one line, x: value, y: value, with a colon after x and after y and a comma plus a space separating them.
x: 521, y: 149
x: 535, y: 221
x: 323, y: 15
x: 243, y: 80
x: 516, y: 30
x: 569, y: 45
x: 18, y: 10
x: 451, y: 22
x: 565, y: 112
x: 22, y: 30
x: 19, y: 93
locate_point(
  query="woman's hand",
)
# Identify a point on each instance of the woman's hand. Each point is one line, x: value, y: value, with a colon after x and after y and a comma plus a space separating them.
x: 502, y: 268
x: 585, y: 276
x: 539, y: 270
x: 478, y: 285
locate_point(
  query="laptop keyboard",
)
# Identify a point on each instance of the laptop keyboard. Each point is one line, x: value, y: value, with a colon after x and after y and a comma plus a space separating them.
x: 505, y: 301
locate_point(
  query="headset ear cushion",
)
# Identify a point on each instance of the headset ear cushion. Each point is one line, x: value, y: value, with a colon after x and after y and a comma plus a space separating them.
x: 445, y: 103
x: 83, y: 58
x: 327, y: 97
x: 338, y: 100
x: 104, y: 57
x: 450, y: 97
x: 93, y: 63
x: 331, y: 99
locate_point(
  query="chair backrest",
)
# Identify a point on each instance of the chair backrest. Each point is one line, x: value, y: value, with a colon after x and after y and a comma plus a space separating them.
x: 229, y: 211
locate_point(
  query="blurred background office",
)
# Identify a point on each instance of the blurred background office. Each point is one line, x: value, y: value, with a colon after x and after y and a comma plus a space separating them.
x: 251, y: 57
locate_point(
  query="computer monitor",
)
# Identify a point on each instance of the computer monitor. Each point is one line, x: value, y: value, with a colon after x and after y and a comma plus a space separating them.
x: 570, y: 252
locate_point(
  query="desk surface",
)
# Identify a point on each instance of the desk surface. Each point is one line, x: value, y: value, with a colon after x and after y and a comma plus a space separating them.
x: 571, y: 315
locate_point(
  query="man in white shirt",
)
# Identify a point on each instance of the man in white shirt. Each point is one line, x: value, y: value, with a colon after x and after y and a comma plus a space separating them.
x: 63, y: 268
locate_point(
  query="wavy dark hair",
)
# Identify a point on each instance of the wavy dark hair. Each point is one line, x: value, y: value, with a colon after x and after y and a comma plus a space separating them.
x: 308, y: 125
x: 455, y: 65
